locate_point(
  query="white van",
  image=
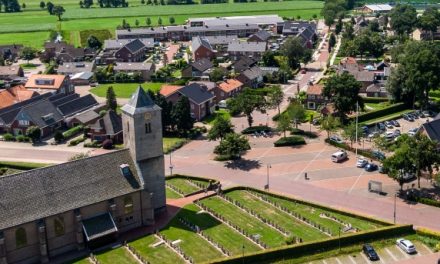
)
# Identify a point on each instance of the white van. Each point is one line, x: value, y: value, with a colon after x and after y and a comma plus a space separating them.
x: 222, y: 104
x: 339, y: 156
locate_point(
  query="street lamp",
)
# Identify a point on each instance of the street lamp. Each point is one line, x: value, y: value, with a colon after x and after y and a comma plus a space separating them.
x: 395, y: 198
x: 339, y: 236
x: 171, y: 166
x: 242, y: 253
x: 267, y: 119
x: 266, y: 187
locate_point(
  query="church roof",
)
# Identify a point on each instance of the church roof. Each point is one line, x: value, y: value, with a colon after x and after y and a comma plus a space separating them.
x: 138, y: 100
x: 39, y: 193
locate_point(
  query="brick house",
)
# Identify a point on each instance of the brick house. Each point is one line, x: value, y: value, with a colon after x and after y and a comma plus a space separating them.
x: 253, y: 50
x: 314, y: 97
x: 132, y: 52
x: 144, y: 69
x: 107, y: 127
x: 10, y: 72
x: 50, y: 83
x: 64, y: 52
x: 227, y: 89
x: 84, y: 118
x: 12, y: 95
x: 201, y: 49
x: 252, y: 77
x: 197, y: 69
x: 260, y: 36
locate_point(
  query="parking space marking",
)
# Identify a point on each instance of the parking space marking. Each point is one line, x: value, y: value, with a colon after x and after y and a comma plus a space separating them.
x: 403, y: 252
x: 325, y: 262
x: 391, y: 254
x: 366, y: 259
x: 337, y: 260
x: 358, y: 178
x: 352, y: 260
x: 310, y: 162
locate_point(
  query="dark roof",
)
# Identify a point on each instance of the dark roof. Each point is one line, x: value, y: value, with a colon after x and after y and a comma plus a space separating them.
x: 59, y: 100
x: 252, y: 73
x: 42, y: 113
x: 247, y: 47
x: 112, y: 123
x: 77, y: 105
x: 244, y: 63
x: 8, y: 114
x: 202, y: 65
x: 99, y: 226
x: 135, y: 46
x: 198, y: 42
x: 196, y: 92
x: 433, y: 129
x: 39, y: 193
x: 85, y: 117
x: 140, y: 99
x: 294, y: 27
x: 263, y: 35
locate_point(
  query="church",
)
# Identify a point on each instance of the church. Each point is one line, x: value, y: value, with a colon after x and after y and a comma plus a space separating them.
x: 86, y: 203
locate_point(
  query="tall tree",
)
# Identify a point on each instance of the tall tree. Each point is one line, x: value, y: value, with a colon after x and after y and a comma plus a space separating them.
x: 148, y: 21
x: 351, y: 132
x: 332, y: 9
x: 42, y: 4
x: 295, y: 52
x: 331, y: 41
x: 172, y: 20
x: 425, y: 154
x: 167, y: 107
x: 58, y: 11
x: 159, y: 21
x: 28, y: 53
x: 93, y: 42
x: 221, y: 127
x: 247, y: 102
x: 232, y: 146
x: 49, y: 7
x: 275, y: 97
x: 403, y: 19
x: 429, y: 21
x: 284, y: 123
x: 329, y: 124
x: 296, y: 112
x: 181, y: 115
x: 111, y: 102
x: 339, y: 26
x: 34, y: 133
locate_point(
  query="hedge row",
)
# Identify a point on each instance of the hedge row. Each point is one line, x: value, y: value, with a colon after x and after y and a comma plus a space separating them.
x: 382, y: 112
x: 289, y: 141
x: 73, y: 132
x: 253, y: 129
x: 428, y: 201
x: 374, y: 100
x: 22, y: 165
x: 297, y: 131
x: 299, y: 250
x: 365, y: 153
x: 180, y: 176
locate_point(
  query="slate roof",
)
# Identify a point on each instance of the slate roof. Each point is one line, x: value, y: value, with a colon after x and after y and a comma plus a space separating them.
x: 196, y: 93
x: 432, y: 129
x: 294, y: 27
x: 39, y: 193
x: 115, y: 44
x: 244, y: 63
x: 85, y: 116
x: 237, y: 20
x: 112, y: 123
x: 75, y: 67
x: 139, y: 99
x: 8, y: 114
x: 198, y: 42
x: 42, y: 113
x: 247, y: 47
x: 253, y: 73
x: 202, y: 65
x: 59, y: 100
x: 133, y: 66
x: 77, y: 105
x: 262, y: 35
x: 221, y: 40
x: 135, y: 46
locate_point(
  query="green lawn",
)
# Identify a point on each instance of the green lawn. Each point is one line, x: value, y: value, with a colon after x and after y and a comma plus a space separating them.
x: 376, y: 106
x: 222, y: 112
x: 230, y: 239
x: 172, y: 143
x: 386, y: 118
x: 29, y: 39
x: 191, y: 243
x: 245, y: 221
x: 182, y: 185
x: 170, y: 194
x: 156, y: 255
x: 28, y: 66
x: 287, y: 222
x: 119, y: 255
x: 80, y: 261
x: 124, y: 90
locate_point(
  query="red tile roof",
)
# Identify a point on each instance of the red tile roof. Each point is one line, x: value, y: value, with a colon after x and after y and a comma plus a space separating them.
x: 230, y: 85
x: 167, y: 90
x: 348, y: 60
x: 14, y: 95
x: 315, y: 89
x: 54, y: 81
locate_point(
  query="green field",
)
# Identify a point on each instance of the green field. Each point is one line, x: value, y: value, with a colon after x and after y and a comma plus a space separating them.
x: 183, y: 185
x: 124, y: 90
x: 159, y: 255
x: 119, y: 255
x: 172, y: 194
x: 37, y: 23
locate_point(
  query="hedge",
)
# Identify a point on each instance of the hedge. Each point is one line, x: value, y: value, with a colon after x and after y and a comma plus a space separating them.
x: 253, y: 129
x: 375, y: 100
x: 289, y: 141
x: 381, y: 112
x: 365, y: 153
x: 298, y: 250
x: 76, y: 141
x: 428, y: 201
x: 22, y: 165
x: 180, y: 176
x: 73, y: 132
x: 297, y: 131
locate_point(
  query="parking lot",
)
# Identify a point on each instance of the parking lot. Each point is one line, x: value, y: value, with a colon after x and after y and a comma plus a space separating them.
x: 390, y: 254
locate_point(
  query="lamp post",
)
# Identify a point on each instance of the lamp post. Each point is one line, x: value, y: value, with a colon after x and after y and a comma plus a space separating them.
x: 339, y: 238
x: 266, y: 187
x: 267, y: 119
x: 171, y: 166
x: 395, y: 198
x: 242, y: 253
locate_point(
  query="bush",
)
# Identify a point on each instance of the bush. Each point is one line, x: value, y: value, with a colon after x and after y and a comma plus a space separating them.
x: 76, y: 141
x: 21, y: 138
x: 290, y: 141
x: 107, y: 144
x: 253, y: 129
x: 365, y: 153
x: 22, y: 165
x: 93, y: 144
x: 428, y: 201
x: 297, y: 131
x: 375, y: 100
x: 73, y: 132
x: 58, y: 136
x: 8, y: 137
x: 382, y: 112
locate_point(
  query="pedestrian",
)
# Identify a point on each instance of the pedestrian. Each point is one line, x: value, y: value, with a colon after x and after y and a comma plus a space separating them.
x: 305, y: 176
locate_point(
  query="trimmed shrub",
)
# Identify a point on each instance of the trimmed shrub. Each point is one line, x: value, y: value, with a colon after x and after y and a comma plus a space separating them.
x: 107, y: 144
x: 365, y: 153
x: 22, y: 165
x: 297, y: 131
x: 289, y: 141
x: 382, y: 112
x: 375, y: 100
x: 8, y: 137
x: 73, y: 132
x: 21, y: 138
x: 76, y: 141
x: 93, y: 144
x: 428, y: 201
x: 58, y: 136
x: 253, y: 129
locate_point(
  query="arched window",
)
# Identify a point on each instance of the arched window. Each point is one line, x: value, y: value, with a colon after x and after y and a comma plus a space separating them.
x: 58, y: 225
x: 20, y: 237
x: 128, y: 205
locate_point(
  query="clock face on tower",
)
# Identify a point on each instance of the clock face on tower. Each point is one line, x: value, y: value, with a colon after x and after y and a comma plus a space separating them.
x: 147, y: 116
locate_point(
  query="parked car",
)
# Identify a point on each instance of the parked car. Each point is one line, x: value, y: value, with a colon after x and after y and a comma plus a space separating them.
x: 396, y: 132
x: 389, y: 125
x: 406, y: 245
x: 408, y: 117
x: 380, y: 126
x: 395, y: 123
x: 370, y: 252
x: 389, y: 135
x: 378, y: 155
x: 336, y: 139
x: 413, y: 131
x: 361, y: 162
x: 371, y: 167
x: 373, y: 134
x: 316, y: 121
x: 408, y: 176
x: 338, y: 156
x: 365, y: 129
x: 428, y: 113
x: 382, y: 169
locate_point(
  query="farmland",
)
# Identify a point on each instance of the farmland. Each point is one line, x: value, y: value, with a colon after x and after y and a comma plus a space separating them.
x: 34, y: 24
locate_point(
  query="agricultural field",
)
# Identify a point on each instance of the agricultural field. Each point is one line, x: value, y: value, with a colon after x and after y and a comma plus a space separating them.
x: 125, y: 90
x: 34, y: 24
x: 233, y: 224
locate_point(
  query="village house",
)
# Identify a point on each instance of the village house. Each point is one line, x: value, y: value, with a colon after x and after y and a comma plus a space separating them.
x: 64, y: 52
x: 84, y: 204
x: 107, y: 127
x: 201, y: 49
x: 84, y: 118
x: 133, y: 51
x: 253, y: 50
x: 227, y: 89
x: 197, y: 69
x: 10, y: 52
x: 252, y: 77
x: 243, y: 64
x: 376, y: 9
x: 305, y: 31
x: 9, y: 73
x: 220, y: 43
x: 168, y: 90
x: 314, y: 97
x: 16, y: 94
x: 260, y: 36
x: 142, y: 69
x: 50, y: 83
x: 377, y: 89
x: 72, y: 68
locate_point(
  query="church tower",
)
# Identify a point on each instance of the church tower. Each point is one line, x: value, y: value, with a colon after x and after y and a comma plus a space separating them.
x: 142, y: 126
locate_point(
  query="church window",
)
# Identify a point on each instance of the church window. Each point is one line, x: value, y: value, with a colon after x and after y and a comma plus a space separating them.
x: 58, y: 225
x: 128, y: 205
x: 20, y: 237
x: 147, y: 128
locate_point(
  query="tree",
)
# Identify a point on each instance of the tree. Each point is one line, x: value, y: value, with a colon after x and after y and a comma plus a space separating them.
x: 399, y: 163
x: 296, y: 112
x: 28, y: 53
x: 49, y: 7
x: 269, y: 59
x: 332, y: 9
x: 425, y: 155
x: 172, y: 20
x: 217, y: 74
x: 181, y: 114
x: 339, y: 26
x: 58, y: 11
x: 329, y: 124
x: 403, y: 19
x: 148, y: 21
x: 350, y: 134
x: 162, y: 2
x: 331, y: 41
x: 111, y: 102
x: 348, y: 31
x: 167, y: 107
x: 374, y: 26
x: 93, y: 42
x: 136, y: 23
x: 220, y: 128
x: 275, y: 97
x: 343, y: 89
x: 142, y: 2
x: 23, y: 5
x: 159, y: 21
x: 247, y: 102
x: 34, y: 133
x: 42, y: 4
x: 58, y: 136
x: 232, y: 146
x: 295, y: 52
x: 429, y: 21
x: 284, y: 123
x: 88, y: 3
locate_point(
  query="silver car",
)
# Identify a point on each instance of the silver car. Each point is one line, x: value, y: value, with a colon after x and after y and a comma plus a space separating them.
x: 406, y: 246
